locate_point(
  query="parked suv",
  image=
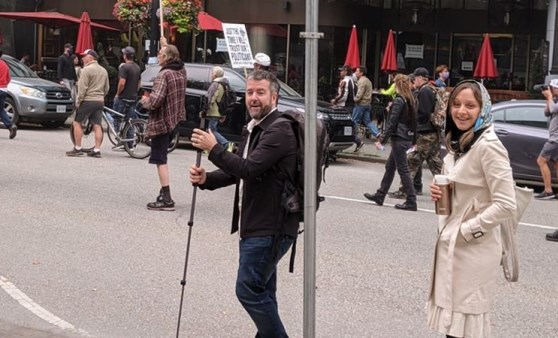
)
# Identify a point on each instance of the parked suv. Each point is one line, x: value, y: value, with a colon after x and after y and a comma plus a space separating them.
x: 32, y: 99
x: 338, y: 121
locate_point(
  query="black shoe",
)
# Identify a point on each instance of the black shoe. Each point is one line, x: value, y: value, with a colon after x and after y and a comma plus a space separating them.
x: 552, y: 237
x: 407, y: 206
x: 359, y: 146
x: 376, y: 198
x: 161, y: 204
x: 545, y: 196
x: 74, y: 152
x: 13, y: 131
x: 94, y: 153
x: 397, y: 195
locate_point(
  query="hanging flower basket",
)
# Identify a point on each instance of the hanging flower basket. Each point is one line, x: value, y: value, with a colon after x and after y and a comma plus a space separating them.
x: 182, y: 14
x: 135, y: 13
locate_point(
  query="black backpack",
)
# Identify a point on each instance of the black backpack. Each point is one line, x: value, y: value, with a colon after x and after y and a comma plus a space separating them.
x: 292, y: 197
x: 226, y: 104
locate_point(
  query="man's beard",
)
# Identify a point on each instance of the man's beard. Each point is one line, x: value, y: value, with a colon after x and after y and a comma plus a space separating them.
x: 262, y: 113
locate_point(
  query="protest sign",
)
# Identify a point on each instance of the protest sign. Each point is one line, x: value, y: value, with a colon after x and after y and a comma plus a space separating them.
x: 238, y: 45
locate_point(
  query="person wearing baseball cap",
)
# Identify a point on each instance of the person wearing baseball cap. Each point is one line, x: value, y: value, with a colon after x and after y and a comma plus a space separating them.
x: 93, y: 86
x: 65, y: 71
x: 428, y: 142
x: 549, y: 152
x: 261, y: 61
x: 129, y: 75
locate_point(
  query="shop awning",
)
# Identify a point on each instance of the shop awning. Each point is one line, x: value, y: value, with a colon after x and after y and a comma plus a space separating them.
x: 52, y: 19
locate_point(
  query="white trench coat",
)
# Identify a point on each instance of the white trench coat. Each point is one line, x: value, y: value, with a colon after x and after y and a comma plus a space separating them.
x: 469, y: 250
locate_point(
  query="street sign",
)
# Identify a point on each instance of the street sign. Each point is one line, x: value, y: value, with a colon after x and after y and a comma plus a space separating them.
x: 238, y: 45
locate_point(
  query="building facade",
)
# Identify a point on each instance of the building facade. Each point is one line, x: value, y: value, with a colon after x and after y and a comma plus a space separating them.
x: 428, y: 33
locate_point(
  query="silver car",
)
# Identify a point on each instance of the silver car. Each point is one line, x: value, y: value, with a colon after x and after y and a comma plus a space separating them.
x: 36, y: 100
x: 523, y: 129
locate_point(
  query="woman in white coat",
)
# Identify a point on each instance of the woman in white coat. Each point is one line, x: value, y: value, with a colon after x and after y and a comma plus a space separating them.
x: 468, y: 250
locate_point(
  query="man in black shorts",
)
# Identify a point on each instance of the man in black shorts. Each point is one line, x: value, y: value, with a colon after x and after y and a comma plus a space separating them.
x: 93, y: 85
x: 166, y: 106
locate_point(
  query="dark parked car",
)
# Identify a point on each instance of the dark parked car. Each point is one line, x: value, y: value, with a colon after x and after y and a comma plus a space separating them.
x: 523, y: 129
x: 32, y: 99
x: 338, y: 121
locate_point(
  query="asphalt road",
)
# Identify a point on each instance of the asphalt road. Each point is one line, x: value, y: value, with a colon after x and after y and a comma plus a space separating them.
x: 80, y: 255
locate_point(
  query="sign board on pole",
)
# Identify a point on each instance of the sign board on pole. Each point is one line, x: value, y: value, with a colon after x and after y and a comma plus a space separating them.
x: 221, y: 45
x: 238, y: 45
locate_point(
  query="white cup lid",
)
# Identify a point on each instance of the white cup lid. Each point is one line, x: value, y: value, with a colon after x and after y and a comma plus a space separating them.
x: 441, y: 179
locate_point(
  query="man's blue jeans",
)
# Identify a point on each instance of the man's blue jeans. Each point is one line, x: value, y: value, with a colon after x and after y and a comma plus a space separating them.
x: 256, y: 283
x: 213, y: 123
x: 3, y: 115
x: 361, y: 114
x: 120, y: 106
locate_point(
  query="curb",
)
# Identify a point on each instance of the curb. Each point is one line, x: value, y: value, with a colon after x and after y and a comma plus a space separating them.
x: 362, y: 157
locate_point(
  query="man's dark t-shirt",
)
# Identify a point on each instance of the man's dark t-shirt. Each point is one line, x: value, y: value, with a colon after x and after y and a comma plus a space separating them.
x: 131, y: 73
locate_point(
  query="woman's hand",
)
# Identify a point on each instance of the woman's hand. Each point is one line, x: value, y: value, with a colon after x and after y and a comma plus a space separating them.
x: 435, y: 191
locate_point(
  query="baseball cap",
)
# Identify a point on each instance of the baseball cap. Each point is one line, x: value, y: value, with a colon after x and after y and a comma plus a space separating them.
x: 262, y: 59
x: 554, y: 83
x: 129, y: 50
x: 421, y: 71
x: 347, y: 68
x: 68, y: 45
x: 90, y: 52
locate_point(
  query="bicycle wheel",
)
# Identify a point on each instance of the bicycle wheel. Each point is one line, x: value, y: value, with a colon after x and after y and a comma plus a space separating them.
x: 88, y: 139
x: 174, y: 142
x: 135, y: 142
x: 111, y: 136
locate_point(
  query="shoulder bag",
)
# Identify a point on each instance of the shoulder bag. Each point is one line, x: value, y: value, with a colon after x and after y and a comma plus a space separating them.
x: 510, y: 258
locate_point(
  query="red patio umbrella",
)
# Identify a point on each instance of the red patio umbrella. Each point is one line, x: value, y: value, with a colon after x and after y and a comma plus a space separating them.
x: 208, y: 22
x: 353, y: 54
x: 51, y: 19
x: 84, y: 37
x: 485, y: 67
x: 389, y: 61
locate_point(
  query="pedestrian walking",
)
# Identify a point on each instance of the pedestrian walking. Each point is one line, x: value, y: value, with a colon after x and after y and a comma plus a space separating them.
x: 265, y: 158
x: 400, y: 129
x: 4, y: 81
x: 363, y: 105
x: 65, y: 70
x: 216, y: 93
x: 166, y: 106
x: 468, y: 250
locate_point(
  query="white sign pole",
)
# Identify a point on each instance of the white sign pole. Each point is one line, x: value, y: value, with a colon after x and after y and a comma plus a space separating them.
x: 161, y: 18
x: 238, y: 45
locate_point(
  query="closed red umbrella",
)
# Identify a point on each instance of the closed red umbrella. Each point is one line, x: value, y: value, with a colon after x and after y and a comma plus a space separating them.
x: 84, y: 37
x: 353, y: 54
x: 389, y: 61
x: 485, y: 67
x: 208, y: 22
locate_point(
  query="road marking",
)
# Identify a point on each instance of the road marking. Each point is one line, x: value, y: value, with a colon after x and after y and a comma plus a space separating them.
x: 38, y: 310
x: 532, y: 225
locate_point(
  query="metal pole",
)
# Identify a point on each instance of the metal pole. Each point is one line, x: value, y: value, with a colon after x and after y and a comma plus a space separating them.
x: 311, y: 93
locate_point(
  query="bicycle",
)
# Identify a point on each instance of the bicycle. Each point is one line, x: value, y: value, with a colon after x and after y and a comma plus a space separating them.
x: 128, y: 132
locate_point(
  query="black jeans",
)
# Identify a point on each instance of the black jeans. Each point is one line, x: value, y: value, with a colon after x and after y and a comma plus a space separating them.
x: 397, y: 160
